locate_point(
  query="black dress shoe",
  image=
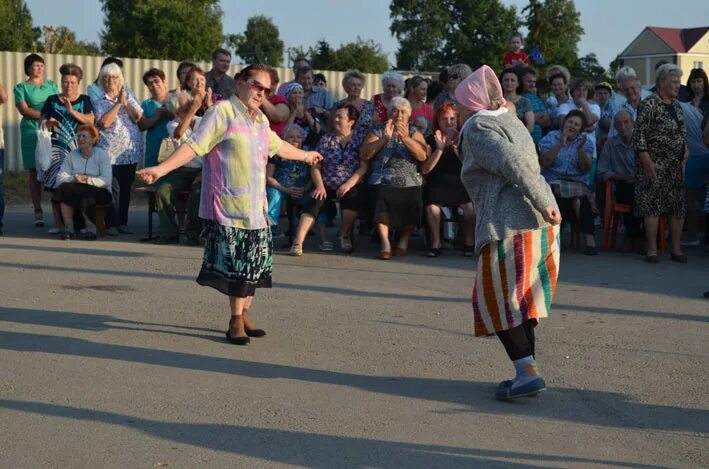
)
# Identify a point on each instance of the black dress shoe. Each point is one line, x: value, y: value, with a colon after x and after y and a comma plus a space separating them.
x: 237, y: 340
x: 255, y: 332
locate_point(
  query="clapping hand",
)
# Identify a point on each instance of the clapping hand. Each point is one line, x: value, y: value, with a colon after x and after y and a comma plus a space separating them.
x: 582, y: 142
x: 401, y: 129
x: 67, y: 103
x: 82, y: 178
x: 451, y: 136
x: 122, y: 96
x: 389, y: 129
x: 209, y: 98
x: 441, y: 140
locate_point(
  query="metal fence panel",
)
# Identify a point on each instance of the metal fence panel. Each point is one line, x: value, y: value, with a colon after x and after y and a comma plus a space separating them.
x: 12, y: 72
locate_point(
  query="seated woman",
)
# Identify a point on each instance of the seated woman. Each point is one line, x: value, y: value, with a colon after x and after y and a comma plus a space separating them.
x: 395, y: 149
x: 287, y: 180
x: 336, y: 177
x: 197, y: 82
x: 63, y: 113
x: 353, y: 83
x: 566, y: 159
x: 392, y: 84
x: 84, y: 179
x: 185, y: 107
x: 443, y: 187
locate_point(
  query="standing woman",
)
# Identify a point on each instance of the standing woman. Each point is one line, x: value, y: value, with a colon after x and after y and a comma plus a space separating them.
x: 517, y: 238
x: 393, y: 84
x: 30, y: 96
x: 64, y: 113
x: 416, y: 93
x: 236, y: 142
x: 117, y: 115
x: 353, y: 83
x: 510, y: 87
x: 660, y: 139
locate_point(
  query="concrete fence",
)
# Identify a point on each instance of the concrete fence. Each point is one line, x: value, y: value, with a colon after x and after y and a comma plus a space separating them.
x: 12, y: 72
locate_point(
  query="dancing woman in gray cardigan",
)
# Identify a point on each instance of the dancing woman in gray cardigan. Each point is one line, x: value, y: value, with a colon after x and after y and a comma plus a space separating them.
x: 517, y: 235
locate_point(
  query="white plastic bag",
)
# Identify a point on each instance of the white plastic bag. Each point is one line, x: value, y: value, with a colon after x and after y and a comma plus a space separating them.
x: 43, y: 152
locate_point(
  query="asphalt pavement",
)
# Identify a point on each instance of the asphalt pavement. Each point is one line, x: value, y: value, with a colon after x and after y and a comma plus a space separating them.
x: 112, y: 356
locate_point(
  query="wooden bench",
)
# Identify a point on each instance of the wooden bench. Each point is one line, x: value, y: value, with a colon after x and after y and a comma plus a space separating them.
x: 100, y: 219
x: 180, y: 207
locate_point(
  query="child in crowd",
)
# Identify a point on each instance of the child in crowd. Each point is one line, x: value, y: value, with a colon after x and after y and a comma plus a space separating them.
x: 319, y: 80
x: 515, y: 56
x: 288, y: 179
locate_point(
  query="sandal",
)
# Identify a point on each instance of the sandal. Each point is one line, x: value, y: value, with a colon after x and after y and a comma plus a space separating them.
x: 434, y: 252
x: 296, y: 250
x: 326, y: 246
x: 346, y: 244
x: 468, y: 251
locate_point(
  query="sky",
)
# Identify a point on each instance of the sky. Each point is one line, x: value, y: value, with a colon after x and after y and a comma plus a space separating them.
x: 609, y: 25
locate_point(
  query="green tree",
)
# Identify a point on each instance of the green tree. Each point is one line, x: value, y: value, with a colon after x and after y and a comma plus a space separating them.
x: 434, y: 33
x: 321, y: 56
x: 555, y: 27
x: 589, y: 68
x: 260, y: 42
x: 61, y: 40
x: 16, y: 30
x: 366, y: 56
x: 162, y: 29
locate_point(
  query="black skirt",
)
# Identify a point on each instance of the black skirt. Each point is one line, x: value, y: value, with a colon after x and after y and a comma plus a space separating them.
x: 76, y: 194
x: 397, y: 206
x: 236, y: 261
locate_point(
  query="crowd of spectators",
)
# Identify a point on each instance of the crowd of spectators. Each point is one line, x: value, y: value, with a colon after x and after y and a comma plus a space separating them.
x: 391, y: 160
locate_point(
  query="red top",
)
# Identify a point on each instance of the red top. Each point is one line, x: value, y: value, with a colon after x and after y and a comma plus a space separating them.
x: 425, y: 110
x: 278, y: 128
x: 380, y: 108
x: 513, y: 59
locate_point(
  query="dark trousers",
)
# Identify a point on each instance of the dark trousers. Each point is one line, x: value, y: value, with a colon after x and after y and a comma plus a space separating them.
x: 519, y: 341
x: 124, y: 174
x: 168, y: 187
x: 585, y: 218
x: 625, y: 194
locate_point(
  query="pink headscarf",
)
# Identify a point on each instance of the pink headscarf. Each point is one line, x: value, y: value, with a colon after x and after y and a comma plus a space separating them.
x: 472, y: 92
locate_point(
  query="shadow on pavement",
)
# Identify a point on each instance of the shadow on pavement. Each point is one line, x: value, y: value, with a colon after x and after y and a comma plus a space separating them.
x: 308, y: 449
x: 575, y: 405
x: 75, y: 250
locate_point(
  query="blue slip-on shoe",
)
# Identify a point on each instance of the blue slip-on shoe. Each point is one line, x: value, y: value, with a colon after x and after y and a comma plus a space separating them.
x: 506, y: 393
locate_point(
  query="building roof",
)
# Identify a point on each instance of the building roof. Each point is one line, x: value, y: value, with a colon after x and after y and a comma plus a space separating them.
x: 680, y: 40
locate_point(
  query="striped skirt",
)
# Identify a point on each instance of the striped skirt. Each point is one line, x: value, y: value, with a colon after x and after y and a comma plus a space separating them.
x: 516, y: 280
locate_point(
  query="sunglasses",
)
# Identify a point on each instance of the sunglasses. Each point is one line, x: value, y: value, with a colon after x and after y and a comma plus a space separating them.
x: 258, y: 86
x: 454, y: 76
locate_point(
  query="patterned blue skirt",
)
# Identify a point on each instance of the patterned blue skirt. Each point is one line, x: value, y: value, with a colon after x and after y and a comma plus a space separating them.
x: 236, y: 261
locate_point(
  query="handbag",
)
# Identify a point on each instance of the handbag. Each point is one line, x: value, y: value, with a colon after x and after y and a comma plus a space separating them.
x: 167, y: 148
x: 43, y: 151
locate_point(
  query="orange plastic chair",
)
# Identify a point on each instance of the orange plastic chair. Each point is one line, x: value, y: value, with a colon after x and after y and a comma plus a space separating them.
x: 611, y: 219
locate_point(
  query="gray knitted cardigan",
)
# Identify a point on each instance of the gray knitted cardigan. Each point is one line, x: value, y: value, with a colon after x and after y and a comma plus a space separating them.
x: 501, y: 173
